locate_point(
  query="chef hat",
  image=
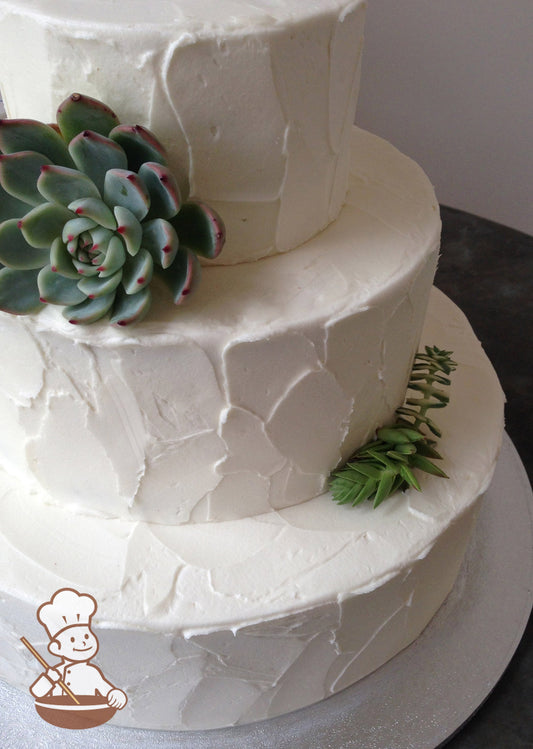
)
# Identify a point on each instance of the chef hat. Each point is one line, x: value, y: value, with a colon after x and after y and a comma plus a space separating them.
x: 65, y: 609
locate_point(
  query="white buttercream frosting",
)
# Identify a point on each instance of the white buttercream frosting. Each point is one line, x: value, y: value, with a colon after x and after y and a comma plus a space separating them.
x: 118, y: 446
x: 214, y: 624
x: 246, y: 398
x: 253, y: 100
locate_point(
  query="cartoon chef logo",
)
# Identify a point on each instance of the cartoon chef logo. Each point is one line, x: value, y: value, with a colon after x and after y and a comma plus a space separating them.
x: 72, y: 693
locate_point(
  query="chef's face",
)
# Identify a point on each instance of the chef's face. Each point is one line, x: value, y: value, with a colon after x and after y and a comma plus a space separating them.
x: 77, y: 643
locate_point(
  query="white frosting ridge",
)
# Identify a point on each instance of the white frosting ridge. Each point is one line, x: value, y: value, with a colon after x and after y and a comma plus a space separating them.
x: 254, y: 100
x: 262, y: 615
x: 296, y: 358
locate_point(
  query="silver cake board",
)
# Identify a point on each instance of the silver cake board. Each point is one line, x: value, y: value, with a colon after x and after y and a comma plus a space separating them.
x: 417, y: 700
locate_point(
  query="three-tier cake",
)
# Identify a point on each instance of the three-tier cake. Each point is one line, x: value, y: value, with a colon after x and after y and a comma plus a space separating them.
x: 177, y: 470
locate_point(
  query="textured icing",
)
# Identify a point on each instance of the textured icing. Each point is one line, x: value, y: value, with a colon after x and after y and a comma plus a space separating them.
x: 258, y: 616
x: 235, y: 409
x: 244, y: 399
x: 175, y: 67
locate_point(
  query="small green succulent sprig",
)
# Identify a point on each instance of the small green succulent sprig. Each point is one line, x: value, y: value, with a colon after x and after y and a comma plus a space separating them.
x: 382, y: 467
x: 89, y: 212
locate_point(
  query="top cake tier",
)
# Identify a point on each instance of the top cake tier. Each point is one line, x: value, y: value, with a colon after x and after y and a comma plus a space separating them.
x: 254, y: 101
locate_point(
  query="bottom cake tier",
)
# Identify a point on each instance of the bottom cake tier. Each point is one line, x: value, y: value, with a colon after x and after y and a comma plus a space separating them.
x: 227, y: 623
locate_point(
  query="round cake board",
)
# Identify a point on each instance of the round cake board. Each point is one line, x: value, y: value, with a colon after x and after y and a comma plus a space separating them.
x: 418, y: 699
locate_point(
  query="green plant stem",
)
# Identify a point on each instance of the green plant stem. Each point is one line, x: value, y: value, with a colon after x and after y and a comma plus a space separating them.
x: 386, y: 465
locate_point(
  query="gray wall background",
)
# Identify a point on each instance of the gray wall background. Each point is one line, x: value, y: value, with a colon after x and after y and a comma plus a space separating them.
x: 450, y: 83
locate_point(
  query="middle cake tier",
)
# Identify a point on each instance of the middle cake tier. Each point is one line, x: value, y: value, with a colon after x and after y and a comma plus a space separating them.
x: 245, y: 399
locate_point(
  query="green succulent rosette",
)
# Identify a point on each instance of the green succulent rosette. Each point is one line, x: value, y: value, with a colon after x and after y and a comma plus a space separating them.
x: 89, y: 212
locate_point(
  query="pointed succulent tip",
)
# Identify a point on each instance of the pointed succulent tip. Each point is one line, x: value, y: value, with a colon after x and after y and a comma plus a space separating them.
x: 77, y: 98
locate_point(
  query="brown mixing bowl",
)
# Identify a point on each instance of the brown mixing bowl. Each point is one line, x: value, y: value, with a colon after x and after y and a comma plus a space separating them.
x: 63, y: 712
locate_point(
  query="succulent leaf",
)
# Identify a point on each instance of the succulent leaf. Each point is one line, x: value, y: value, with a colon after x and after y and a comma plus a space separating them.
x: 131, y: 308
x: 75, y: 227
x: 129, y: 228
x: 11, y: 207
x: 84, y: 269
x: 72, y: 246
x: 163, y: 188
x: 19, y: 293
x: 138, y: 271
x: 200, y: 229
x: 114, y: 259
x: 182, y: 275
x: 124, y: 188
x: 79, y: 112
x: 89, y: 311
x: 426, y: 465
x: 160, y: 239
x: 96, y: 210
x: 57, y: 289
x: 19, y: 173
x: 59, y: 184
x: 61, y: 260
x: 98, y: 286
x: 94, y: 155
x: 44, y: 223
x: 15, y: 252
x: 100, y: 237
x: 97, y: 260
x: 30, y: 135
x: 139, y: 144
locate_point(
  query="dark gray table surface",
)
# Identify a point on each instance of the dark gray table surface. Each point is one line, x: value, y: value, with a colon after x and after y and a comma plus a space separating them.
x: 487, y: 269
